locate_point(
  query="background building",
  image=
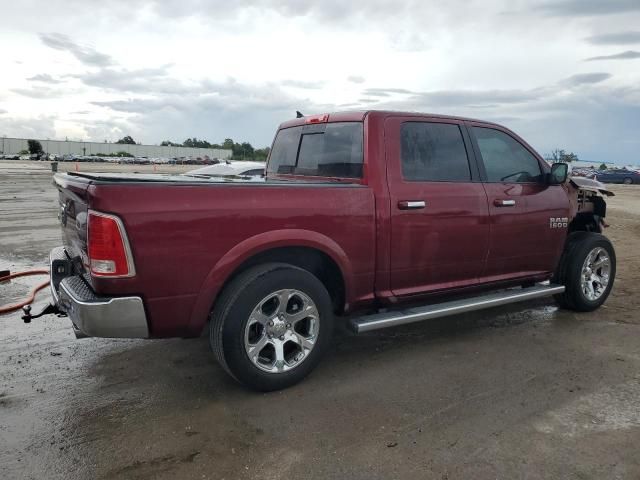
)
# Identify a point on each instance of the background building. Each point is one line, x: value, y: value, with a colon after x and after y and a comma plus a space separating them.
x: 13, y: 146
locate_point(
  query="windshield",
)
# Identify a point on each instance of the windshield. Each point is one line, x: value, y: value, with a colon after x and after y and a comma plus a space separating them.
x: 325, y: 150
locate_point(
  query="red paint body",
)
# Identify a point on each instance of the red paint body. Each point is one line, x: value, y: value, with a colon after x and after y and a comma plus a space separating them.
x: 188, y: 237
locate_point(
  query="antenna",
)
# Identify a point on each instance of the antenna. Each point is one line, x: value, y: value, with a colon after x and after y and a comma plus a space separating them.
x: 298, y: 114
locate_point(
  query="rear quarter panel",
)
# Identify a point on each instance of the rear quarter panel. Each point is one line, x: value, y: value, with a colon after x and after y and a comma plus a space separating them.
x: 187, y: 239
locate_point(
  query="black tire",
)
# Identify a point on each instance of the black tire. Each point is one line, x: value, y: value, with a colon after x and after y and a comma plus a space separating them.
x: 569, y: 273
x: 627, y: 181
x: 233, y: 309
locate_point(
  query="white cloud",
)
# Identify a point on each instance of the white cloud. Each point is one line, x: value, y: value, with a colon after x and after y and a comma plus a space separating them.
x: 169, y: 69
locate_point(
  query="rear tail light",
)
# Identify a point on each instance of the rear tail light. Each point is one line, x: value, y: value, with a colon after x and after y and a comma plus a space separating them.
x: 108, y: 247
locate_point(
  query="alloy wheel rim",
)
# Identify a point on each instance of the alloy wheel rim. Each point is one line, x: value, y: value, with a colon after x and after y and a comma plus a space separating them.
x: 596, y: 270
x: 282, y: 330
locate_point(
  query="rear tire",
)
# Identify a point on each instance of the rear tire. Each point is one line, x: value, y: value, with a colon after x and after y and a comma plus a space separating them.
x: 627, y: 181
x: 587, y: 269
x: 271, y: 326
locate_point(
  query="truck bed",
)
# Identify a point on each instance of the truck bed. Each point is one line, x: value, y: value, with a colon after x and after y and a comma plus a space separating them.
x: 184, y: 239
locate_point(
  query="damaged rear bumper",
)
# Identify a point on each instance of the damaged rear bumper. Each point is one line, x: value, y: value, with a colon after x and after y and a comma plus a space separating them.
x: 93, y: 315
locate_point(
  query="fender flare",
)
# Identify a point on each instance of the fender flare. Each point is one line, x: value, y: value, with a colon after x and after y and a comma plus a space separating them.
x: 243, y: 251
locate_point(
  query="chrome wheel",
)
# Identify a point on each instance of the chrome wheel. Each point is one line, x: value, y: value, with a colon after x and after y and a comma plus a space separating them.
x: 595, y: 273
x: 281, y: 331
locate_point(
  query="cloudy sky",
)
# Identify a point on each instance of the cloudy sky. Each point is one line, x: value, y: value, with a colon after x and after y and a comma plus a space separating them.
x: 564, y: 74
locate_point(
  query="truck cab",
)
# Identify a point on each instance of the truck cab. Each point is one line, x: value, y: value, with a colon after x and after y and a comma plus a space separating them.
x: 439, y: 183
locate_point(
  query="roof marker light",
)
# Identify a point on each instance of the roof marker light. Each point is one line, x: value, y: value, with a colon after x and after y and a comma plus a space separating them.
x: 324, y: 118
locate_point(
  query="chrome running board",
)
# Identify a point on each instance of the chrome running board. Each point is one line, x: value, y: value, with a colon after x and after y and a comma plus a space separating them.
x: 393, y: 318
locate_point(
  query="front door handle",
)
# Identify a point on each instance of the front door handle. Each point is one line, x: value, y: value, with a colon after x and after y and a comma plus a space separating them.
x: 411, y: 204
x: 504, y: 203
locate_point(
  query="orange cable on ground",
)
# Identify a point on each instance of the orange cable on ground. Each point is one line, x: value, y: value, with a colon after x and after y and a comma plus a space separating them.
x: 32, y: 294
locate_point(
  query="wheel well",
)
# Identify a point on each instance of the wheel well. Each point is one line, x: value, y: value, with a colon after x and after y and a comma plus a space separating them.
x: 585, y: 222
x: 314, y: 261
x: 591, y: 220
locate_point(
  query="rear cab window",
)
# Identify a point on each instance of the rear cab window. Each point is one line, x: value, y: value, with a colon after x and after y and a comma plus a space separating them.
x: 433, y: 152
x: 319, y: 150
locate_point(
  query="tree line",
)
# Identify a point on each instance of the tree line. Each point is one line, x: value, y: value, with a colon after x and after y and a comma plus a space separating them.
x: 240, y: 151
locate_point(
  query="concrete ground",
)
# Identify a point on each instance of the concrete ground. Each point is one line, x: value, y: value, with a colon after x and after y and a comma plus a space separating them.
x: 527, y: 392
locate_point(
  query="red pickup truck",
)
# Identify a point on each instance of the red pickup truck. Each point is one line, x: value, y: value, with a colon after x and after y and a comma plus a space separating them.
x: 372, y: 218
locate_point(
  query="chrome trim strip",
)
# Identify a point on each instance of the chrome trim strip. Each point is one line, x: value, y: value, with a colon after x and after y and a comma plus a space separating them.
x: 390, y: 319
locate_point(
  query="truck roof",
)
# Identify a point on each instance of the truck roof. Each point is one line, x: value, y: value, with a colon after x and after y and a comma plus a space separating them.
x: 359, y: 116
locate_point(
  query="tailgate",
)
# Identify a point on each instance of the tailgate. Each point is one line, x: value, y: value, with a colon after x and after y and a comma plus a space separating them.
x: 72, y: 213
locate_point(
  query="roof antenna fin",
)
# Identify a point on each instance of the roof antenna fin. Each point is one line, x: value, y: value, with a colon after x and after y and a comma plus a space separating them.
x: 299, y: 114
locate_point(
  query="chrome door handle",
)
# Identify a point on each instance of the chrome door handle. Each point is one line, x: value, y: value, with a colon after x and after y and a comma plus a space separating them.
x: 504, y: 203
x: 411, y: 204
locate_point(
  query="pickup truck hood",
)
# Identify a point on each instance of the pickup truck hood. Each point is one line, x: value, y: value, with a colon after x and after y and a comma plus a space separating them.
x: 591, y: 185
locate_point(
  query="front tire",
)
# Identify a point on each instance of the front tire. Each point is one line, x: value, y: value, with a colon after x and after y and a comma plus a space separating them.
x: 627, y: 181
x: 271, y: 326
x: 587, y: 270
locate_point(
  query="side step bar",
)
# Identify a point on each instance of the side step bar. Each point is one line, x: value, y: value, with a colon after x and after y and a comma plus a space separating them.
x: 393, y: 318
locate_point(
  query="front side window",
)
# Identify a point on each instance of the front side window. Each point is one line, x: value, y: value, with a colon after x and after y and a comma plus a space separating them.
x: 433, y: 152
x: 505, y: 159
x: 325, y: 150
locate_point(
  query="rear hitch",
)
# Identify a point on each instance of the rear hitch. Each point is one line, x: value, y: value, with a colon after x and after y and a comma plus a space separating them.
x: 50, y: 309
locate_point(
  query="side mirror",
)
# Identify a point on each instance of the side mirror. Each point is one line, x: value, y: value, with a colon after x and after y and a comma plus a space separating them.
x: 559, y: 173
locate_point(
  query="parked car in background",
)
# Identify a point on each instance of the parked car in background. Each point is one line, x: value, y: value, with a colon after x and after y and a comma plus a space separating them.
x: 588, y: 172
x: 618, y: 175
x: 240, y: 168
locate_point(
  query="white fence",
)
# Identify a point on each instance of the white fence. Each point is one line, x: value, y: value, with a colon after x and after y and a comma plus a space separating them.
x: 12, y: 146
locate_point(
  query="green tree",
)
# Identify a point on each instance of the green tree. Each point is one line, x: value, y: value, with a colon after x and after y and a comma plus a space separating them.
x: 228, y: 144
x: 247, y: 151
x: 559, y: 155
x: 195, y: 143
x: 127, y: 141
x: 603, y: 167
x: 261, y: 154
x: 35, y: 147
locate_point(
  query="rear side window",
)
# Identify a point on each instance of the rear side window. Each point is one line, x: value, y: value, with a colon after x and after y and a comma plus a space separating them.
x: 433, y: 152
x: 325, y: 150
x: 505, y: 159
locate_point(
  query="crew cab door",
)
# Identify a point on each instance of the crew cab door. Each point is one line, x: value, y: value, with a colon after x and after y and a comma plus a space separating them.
x: 526, y: 237
x: 439, y: 214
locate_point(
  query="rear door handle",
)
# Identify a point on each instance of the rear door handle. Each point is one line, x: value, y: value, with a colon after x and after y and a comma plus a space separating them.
x: 411, y: 204
x: 504, y: 203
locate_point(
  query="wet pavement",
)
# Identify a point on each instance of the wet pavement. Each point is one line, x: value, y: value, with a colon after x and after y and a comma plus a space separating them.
x: 526, y: 391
